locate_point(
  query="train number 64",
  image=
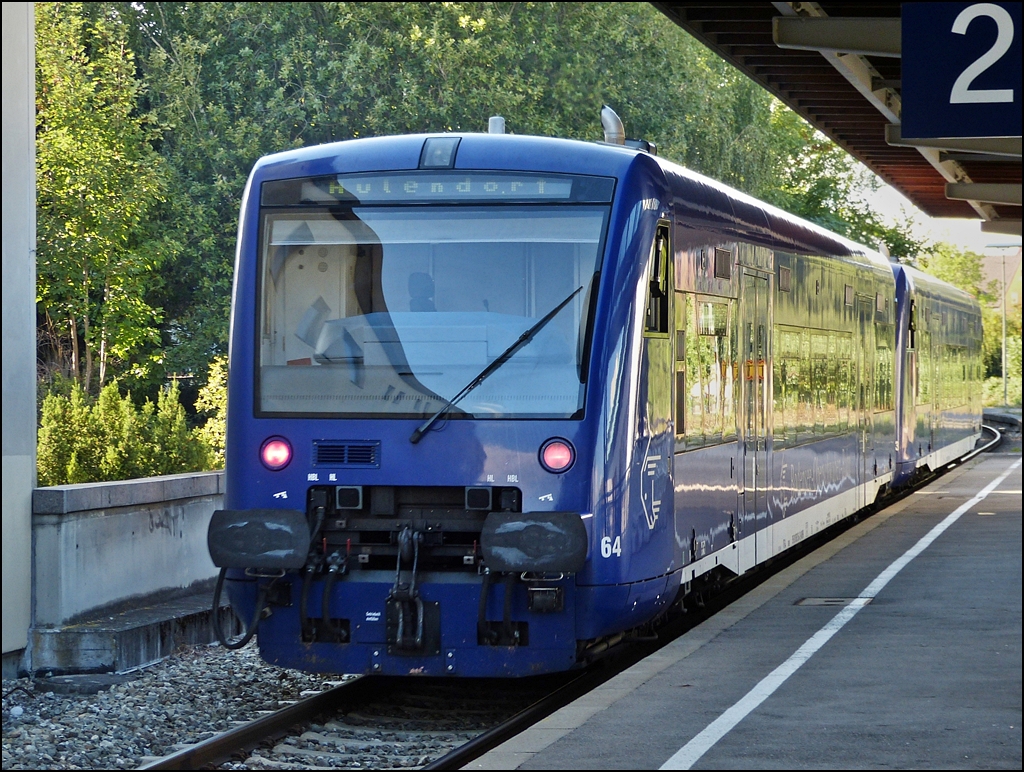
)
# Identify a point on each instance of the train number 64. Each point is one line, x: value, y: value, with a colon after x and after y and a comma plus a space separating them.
x: 609, y: 548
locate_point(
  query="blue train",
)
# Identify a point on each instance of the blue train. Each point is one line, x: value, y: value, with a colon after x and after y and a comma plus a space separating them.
x: 497, y: 402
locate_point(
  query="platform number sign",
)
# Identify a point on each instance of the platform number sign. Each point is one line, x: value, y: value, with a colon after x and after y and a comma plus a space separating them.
x: 961, y: 70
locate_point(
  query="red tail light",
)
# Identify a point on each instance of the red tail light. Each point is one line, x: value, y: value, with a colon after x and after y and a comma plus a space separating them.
x: 276, y: 453
x: 557, y: 455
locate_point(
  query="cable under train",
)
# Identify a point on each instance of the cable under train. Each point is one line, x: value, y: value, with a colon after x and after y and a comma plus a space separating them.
x: 497, y: 402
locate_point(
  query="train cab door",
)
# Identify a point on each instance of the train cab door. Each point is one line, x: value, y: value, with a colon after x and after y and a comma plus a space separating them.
x: 657, y: 438
x: 755, y: 330
x: 929, y: 388
x: 866, y: 389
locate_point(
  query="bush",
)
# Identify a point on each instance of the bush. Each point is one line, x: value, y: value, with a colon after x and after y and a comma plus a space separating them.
x: 993, y: 387
x: 213, y: 401
x: 83, y: 440
x: 993, y: 391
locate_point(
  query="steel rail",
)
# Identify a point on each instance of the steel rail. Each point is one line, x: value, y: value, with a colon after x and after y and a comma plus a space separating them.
x: 223, y: 746
x: 524, y: 719
x: 991, y: 444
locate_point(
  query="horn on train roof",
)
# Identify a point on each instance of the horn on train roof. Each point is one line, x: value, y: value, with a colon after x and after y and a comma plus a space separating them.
x: 614, y: 131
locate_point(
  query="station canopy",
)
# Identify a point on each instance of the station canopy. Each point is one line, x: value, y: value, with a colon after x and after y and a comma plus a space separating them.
x: 841, y: 67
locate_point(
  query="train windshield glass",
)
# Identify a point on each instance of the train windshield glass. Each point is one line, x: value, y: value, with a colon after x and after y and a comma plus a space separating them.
x: 391, y: 311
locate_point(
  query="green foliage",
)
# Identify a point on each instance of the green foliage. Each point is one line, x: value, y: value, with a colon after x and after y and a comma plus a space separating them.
x: 151, y: 115
x: 994, y: 385
x: 825, y: 185
x: 98, y: 182
x: 993, y: 392
x: 213, y: 401
x: 108, y: 438
x: 65, y: 423
x: 959, y: 267
x: 962, y: 269
x: 234, y: 81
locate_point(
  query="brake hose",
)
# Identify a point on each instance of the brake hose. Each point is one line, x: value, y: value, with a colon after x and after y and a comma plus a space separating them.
x: 336, y: 633
x: 307, y: 581
x: 261, y: 600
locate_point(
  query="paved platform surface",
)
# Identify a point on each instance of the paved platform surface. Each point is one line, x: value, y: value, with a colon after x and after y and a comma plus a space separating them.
x: 924, y: 674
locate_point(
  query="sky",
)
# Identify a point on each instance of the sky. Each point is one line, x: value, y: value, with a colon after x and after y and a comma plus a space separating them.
x: 965, y: 234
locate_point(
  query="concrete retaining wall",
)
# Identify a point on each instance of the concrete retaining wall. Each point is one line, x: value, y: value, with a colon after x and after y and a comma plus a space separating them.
x: 98, y: 545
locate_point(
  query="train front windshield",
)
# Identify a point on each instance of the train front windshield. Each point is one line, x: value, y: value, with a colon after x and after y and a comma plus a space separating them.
x: 392, y: 310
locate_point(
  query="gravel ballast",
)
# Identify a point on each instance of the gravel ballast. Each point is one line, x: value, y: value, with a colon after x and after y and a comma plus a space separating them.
x: 195, y: 693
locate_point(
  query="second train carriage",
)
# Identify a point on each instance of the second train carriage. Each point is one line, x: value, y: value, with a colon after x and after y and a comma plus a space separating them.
x: 940, y: 372
x: 497, y: 401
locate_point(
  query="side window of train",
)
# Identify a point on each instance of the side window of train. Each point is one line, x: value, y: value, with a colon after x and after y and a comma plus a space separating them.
x: 786, y: 383
x: 912, y: 343
x: 884, y: 375
x: 656, y: 319
x: 813, y: 384
x: 924, y: 368
x: 680, y: 367
x: 705, y: 370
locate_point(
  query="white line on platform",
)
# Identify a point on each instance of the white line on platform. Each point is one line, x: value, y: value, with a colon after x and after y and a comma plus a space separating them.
x: 688, y: 755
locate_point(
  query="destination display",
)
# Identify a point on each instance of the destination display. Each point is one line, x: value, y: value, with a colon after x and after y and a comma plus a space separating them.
x: 434, y: 187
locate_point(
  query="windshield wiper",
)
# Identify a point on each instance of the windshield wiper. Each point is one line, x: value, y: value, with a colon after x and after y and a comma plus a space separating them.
x: 525, y: 338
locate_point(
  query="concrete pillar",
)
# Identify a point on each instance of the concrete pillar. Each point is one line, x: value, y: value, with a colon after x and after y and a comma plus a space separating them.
x: 19, y: 324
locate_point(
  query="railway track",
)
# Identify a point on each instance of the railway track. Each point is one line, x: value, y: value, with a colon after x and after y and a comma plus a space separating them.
x: 378, y: 722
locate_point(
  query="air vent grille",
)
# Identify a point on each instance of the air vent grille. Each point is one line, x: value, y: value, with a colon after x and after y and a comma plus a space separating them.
x: 364, y: 453
x: 723, y: 263
x: 785, y: 279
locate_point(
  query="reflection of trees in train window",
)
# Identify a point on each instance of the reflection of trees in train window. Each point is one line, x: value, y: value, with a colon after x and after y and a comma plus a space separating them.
x: 847, y: 385
x: 680, y: 364
x: 819, y: 380
x: 814, y: 386
x: 924, y: 368
x: 804, y: 410
x: 707, y: 373
x: 786, y: 383
x: 942, y: 384
x: 883, y: 379
x: 884, y: 371
x: 955, y: 378
x: 831, y: 419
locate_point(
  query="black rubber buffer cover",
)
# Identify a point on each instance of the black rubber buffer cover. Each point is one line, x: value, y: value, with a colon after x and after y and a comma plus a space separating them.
x: 258, y: 538
x: 534, y: 541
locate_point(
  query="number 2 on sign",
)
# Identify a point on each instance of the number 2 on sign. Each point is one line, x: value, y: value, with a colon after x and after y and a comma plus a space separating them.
x: 962, y: 92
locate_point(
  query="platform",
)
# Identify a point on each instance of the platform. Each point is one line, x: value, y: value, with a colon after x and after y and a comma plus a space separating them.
x: 135, y: 634
x: 924, y: 671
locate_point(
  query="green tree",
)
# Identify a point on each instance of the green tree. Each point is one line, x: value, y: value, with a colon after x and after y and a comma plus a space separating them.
x: 176, y: 448
x: 825, y: 185
x: 959, y: 267
x: 84, y: 439
x: 235, y: 81
x: 962, y: 268
x: 65, y: 429
x: 230, y: 82
x: 98, y: 182
x: 213, y: 401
